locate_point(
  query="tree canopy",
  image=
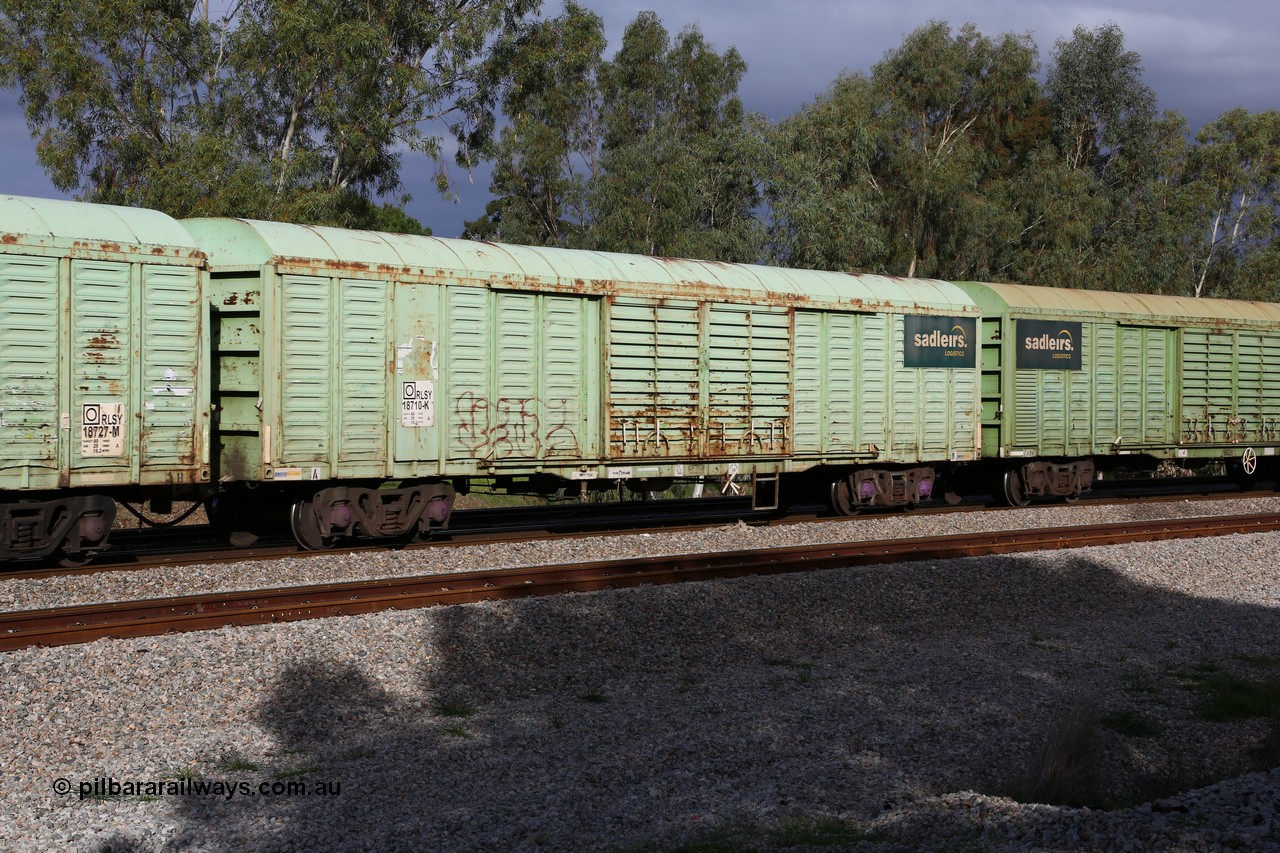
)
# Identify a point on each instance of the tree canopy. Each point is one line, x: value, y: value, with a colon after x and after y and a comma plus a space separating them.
x: 287, y: 109
x: 649, y: 152
x: 952, y: 157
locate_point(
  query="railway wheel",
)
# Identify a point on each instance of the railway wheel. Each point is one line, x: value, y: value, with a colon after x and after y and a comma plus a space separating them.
x: 306, y: 527
x: 1014, y: 490
x: 842, y: 497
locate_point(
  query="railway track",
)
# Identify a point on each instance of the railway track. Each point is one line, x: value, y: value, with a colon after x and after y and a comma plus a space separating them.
x: 199, y: 544
x: 65, y: 626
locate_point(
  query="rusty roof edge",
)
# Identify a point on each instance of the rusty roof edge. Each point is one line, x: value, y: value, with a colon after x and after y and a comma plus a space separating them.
x: 1132, y: 306
x: 70, y: 221
x: 79, y: 247
x: 625, y: 273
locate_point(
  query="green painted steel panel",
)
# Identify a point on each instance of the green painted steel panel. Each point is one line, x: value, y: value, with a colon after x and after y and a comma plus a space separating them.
x: 1122, y: 391
x: 933, y: 411
x: 362, y: 372
x: 418, y: 416
x: 521, y: 377
x: 1102, y: 371
x: 517, y: 370
x: 172, y: 405
x: 875, y: 371
x: 102, y: 353
x: 468, y: 374
x: 1230, y: 389
x: 571, y: 377
x: 28, y: 371
x: 1054, y: 409
x: 655, y: 376
x: 749, y: 385
x: 1145, y: 415
x: 1270, y: 415
x: 826, y: 397
x: 305, y: 372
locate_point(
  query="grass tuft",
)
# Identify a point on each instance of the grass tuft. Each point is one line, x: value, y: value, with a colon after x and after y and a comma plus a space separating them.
x: 459, y: 731
x: 445, y: 708
x: 1063, y: 774
x: 1131, y: 723
x: 1232, y: 697
x: 237, y: 764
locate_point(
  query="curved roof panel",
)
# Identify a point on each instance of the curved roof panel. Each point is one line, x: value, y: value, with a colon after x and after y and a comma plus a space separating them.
x: 56, y: 221
x: 1135, y: 307
x: 241, y: 243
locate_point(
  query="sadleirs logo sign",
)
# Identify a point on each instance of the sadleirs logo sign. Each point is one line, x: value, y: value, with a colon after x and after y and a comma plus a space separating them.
x: 939, y: 341
x: 1048, y: 345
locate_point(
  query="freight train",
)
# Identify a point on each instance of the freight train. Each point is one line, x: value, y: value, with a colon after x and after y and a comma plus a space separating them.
x: 351, y: 383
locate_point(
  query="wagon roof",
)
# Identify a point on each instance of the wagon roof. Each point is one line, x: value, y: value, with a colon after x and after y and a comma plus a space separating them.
x: 1136, y: 307
x: 54, y: 222
x: 238, y: 243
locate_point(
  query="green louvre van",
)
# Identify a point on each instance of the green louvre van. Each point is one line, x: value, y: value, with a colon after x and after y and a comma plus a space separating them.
x: 356, y: 356
x: 1069, y: 374
x: 102, y: 369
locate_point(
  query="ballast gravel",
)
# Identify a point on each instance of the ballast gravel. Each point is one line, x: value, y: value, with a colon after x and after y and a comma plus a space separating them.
x: 912, y: 707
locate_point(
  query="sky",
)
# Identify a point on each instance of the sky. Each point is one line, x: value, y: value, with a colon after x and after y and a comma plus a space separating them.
x: 1200, y: 58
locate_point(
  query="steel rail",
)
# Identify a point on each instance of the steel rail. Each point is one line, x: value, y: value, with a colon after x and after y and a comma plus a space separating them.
x: 691, y: 520
x: 69, y: 625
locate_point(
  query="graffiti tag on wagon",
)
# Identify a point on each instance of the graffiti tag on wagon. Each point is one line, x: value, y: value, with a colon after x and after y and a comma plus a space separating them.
x: 102, y: 429
x: 512, y: 426
x: 418, y: 403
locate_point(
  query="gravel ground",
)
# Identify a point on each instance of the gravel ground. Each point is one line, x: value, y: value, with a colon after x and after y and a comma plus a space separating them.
x: 882, y: 708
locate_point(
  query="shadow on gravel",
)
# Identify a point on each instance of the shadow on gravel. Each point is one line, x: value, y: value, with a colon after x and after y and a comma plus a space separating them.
x: 610, y: 720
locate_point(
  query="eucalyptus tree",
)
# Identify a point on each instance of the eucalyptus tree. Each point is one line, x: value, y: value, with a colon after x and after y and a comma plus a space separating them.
x: 1237, y: 164
x: 647, y: 152
x: 822, y: 194
x: 946, y: 107
x: 548, y: 150
x: 1103, y: 114
x: 299, y: 109
x: 680, y: 160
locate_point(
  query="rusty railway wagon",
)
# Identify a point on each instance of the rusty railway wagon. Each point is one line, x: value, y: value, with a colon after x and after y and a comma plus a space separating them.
x: 1074, y: 381
x: 103, y: 370
x: 360, y: 377
x: 350, y: 383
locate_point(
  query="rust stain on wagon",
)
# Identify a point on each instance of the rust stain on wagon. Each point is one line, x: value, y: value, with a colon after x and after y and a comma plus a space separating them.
x: 247, y: 297
x: 9, y: 239
x: 104, y: 340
